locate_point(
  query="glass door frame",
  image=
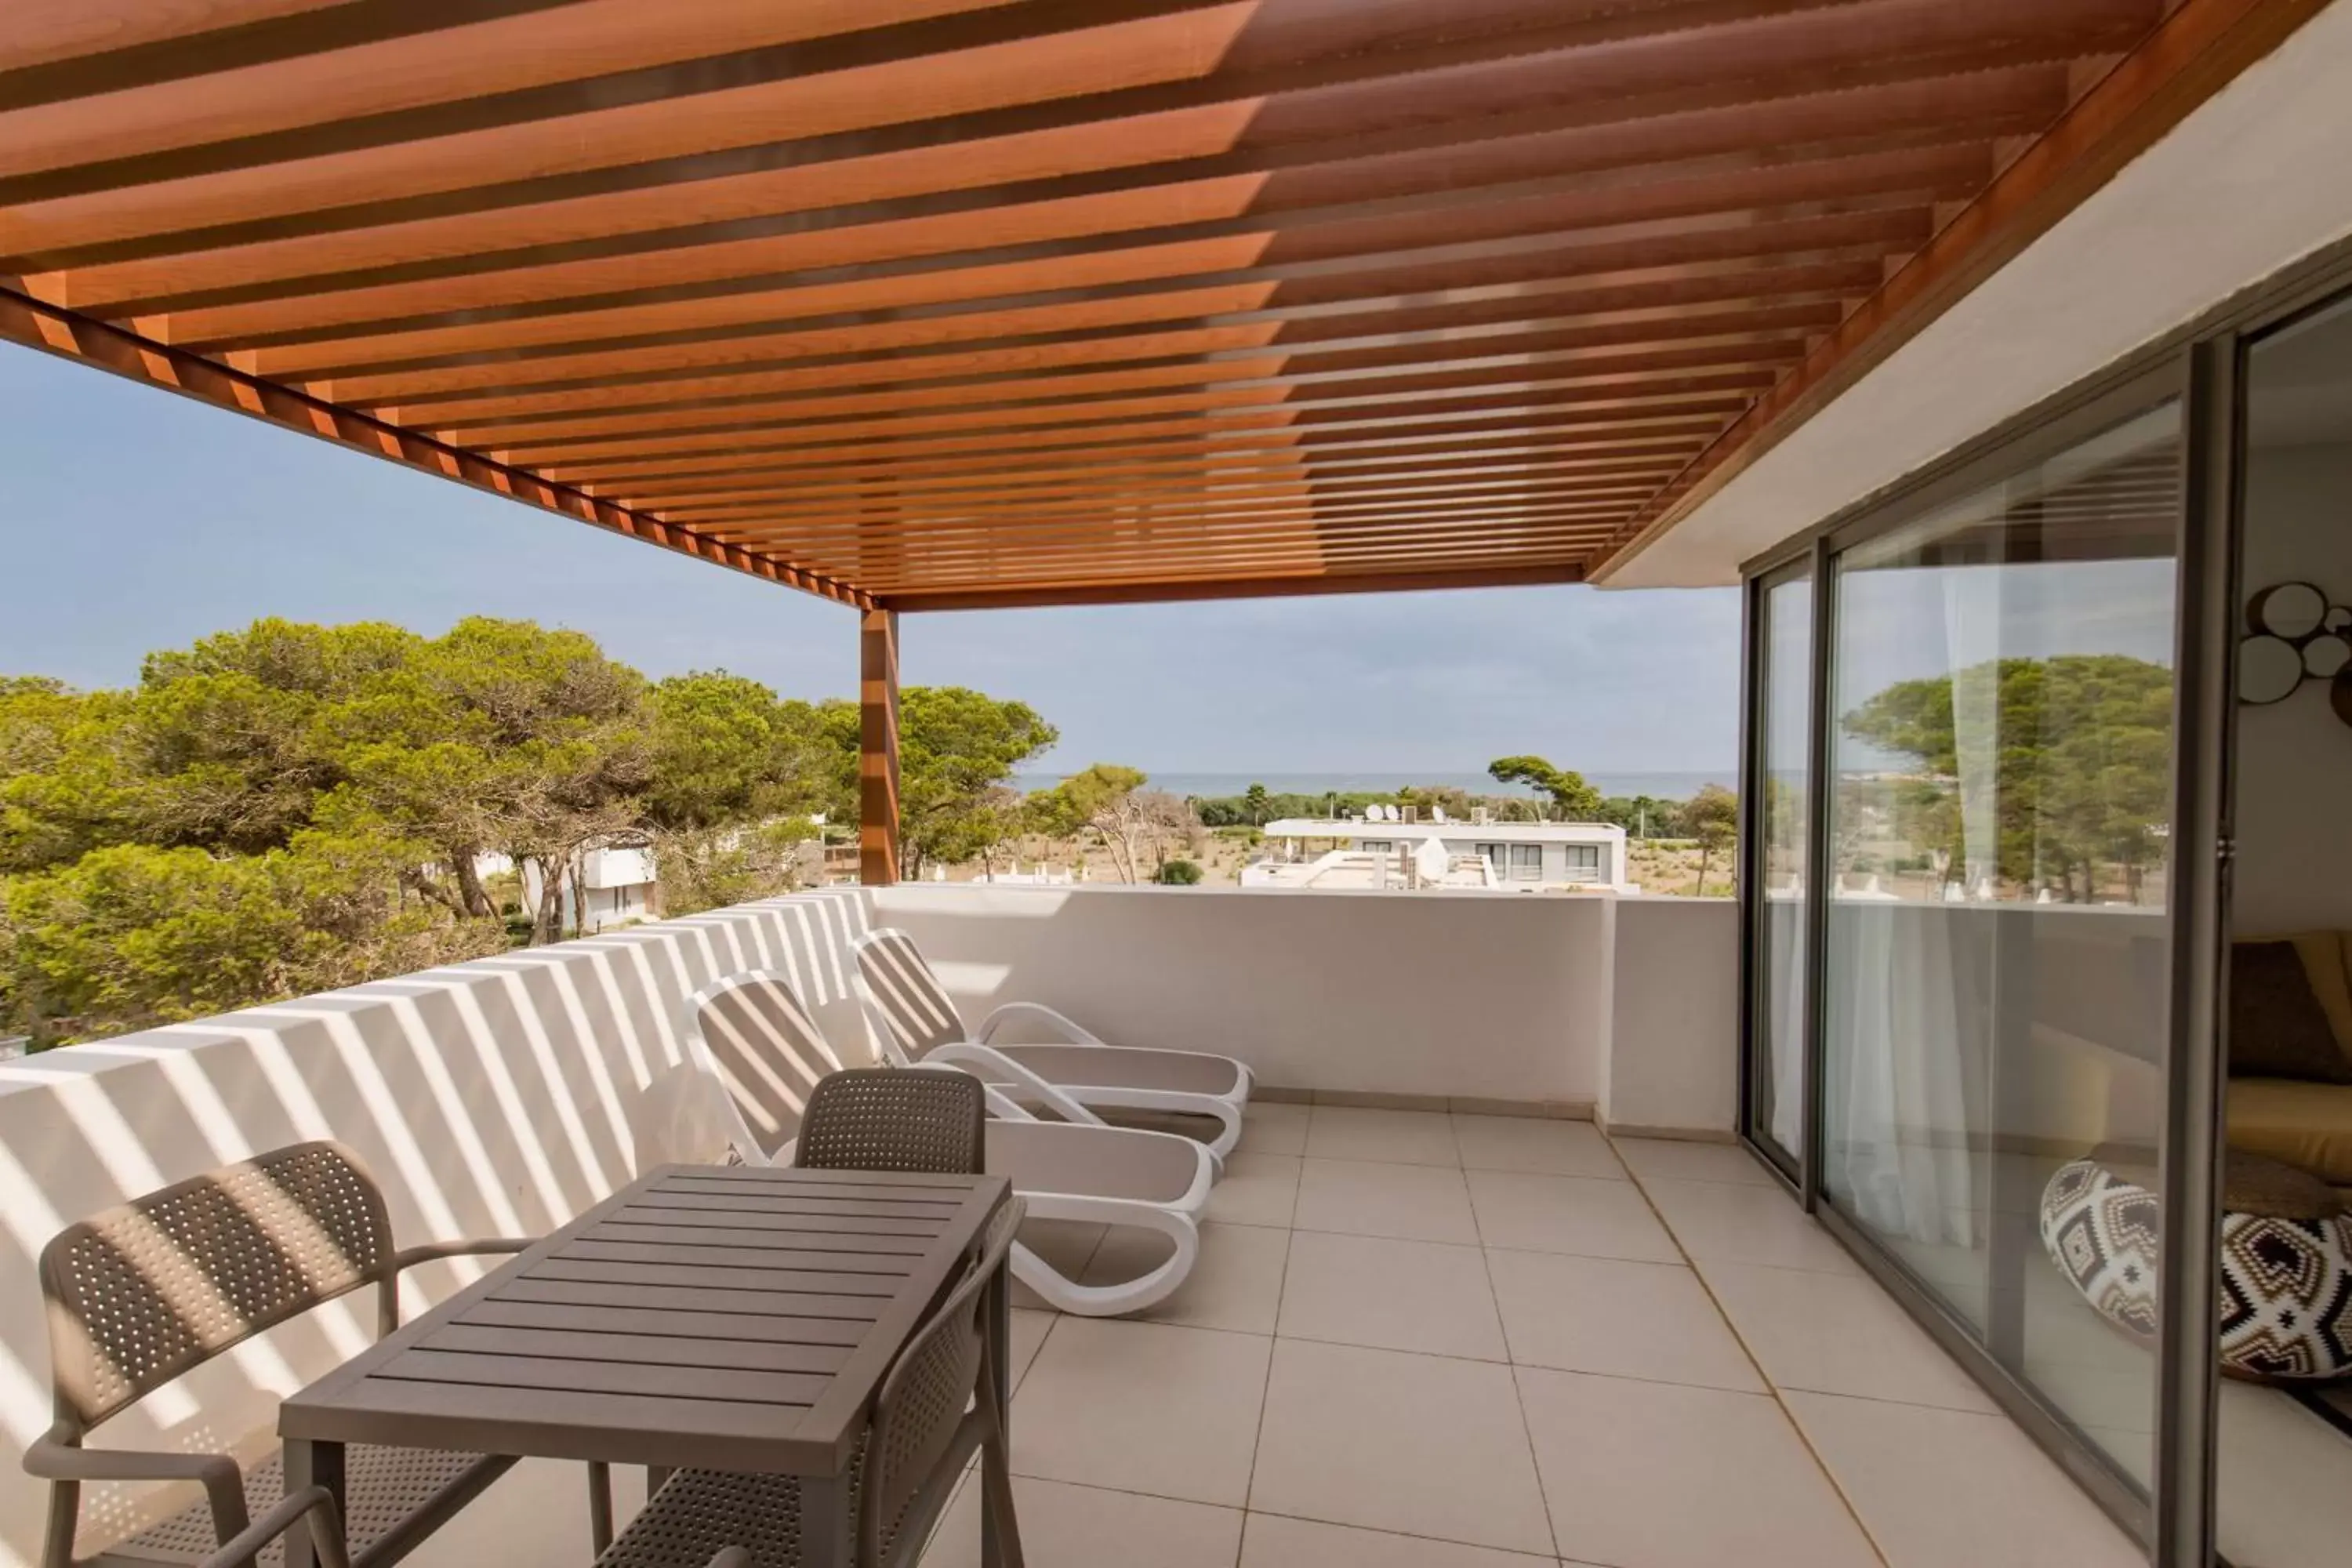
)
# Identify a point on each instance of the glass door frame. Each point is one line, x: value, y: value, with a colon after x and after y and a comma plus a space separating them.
x: 1802, y: 563
x: 2202, y: 365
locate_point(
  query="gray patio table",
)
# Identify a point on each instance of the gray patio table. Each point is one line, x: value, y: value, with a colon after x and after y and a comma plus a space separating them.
x: 734, y: 1318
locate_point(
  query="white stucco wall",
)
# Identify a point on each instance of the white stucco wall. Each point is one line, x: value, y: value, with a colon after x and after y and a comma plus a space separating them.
x: 1498, y: 995
x: 1673, y: 1062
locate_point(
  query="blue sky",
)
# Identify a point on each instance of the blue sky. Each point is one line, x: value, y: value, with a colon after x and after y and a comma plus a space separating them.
x: 134, y: 519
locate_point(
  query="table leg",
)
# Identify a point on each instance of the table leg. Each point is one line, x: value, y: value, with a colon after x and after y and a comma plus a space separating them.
x: 313, y: 1464
x: 600, y: 1505
x: 995, y: 1463
x: 830, y: 1522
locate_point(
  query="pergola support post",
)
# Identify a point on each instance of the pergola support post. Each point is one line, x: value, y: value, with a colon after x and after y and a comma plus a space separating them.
x: 878, y: 748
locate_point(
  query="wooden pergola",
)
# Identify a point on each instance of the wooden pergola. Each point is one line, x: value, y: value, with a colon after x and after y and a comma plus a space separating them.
x: 948, y: 304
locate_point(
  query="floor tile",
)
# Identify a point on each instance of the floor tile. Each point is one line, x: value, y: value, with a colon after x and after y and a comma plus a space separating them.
x: 1403, y: 1137
x: 1394, y: 1295
x: 1274, y: 1127
x: 1608, y: 1315
x: 1922, y: 1480
x: 1236, y: 1283
x: 1065, y: 1526
x: 1567, y: 1214
x: 1838, y: 1333
x: 1411, y: 1202
x: 1675, y: 1159
x: 1269, y: 1541
x: 1416, y: 1444
x: 1552, y: 1148
x: 1656, y: 1475
x: 1144, y: 1407
x: 1256, y: 1189
x: 1028, y: 1332
x: 1721, y: 1222
x: 1065, y: 1246
x: 2286, y: 1481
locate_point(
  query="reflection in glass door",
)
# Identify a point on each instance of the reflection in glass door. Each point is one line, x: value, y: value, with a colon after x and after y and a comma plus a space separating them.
x: 1777, y: 796
x: 1994, y: 975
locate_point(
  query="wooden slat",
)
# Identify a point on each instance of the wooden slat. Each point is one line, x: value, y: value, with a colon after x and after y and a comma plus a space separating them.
x: 819, y: 1273
x: 797, y: 1390
x: 830, y: 1333
x: 603, y: 1343
x: 727, y: 1208
x: 665, y: 1219
x: 737, y: 1252
x: 939, y: 303
x: 596, y: 1296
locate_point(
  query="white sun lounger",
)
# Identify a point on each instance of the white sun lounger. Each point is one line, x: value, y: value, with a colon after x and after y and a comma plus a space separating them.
x: 757, y: 1055
x: 912, y: 1019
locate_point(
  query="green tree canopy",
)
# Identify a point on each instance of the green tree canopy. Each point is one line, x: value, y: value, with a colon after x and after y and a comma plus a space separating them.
x: 2075, y: 771
x: 1712, y: 817
x: 289, y: 807
x: 1577, y: 800
x: 957, y: 748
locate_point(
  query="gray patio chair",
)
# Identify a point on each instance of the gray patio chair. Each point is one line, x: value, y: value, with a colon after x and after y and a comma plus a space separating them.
x: 882, y: 1119
x: 146, y: 1291
x: 937, y: 1406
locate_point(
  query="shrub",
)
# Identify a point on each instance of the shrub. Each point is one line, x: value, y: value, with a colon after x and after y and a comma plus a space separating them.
x: 1178, y: 874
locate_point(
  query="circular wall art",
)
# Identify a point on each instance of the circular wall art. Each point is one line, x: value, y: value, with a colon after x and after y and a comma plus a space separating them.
x: 2269, y: 670
x: 2289, y: 610
x: 2324, y: 656
x: 2295, y: 635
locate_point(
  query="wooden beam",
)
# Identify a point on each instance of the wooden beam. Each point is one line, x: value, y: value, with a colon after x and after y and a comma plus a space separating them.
x: 1240, y: 587
x: 878, y: 748
x: 70, y: 336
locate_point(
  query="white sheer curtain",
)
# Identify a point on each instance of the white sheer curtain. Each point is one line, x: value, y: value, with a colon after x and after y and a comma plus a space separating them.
x: 1908, y: 985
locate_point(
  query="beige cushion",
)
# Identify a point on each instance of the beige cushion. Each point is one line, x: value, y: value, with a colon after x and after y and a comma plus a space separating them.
x: 2308, y: 1125
x: 2281, y: 1023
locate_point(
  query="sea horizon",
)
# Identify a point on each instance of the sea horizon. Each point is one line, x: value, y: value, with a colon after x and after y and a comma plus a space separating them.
x: 1659, y: 783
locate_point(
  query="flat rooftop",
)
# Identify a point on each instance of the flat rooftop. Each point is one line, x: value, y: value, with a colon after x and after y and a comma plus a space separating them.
x: 1453, y: 828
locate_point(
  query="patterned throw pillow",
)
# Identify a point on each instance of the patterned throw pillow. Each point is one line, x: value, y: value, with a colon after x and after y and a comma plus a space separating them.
x: 2286, y: 1288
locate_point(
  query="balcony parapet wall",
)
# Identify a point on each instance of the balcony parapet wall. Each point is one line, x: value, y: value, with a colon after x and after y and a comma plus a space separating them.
x: 505, y: 1095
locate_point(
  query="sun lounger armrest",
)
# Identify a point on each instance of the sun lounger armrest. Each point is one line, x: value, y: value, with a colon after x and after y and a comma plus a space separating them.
x: 1061, y: 1023
x: 994, y: 1066
x: 1000, y: 1106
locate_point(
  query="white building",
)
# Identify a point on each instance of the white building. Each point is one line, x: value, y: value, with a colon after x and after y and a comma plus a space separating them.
x: 1528, y: 856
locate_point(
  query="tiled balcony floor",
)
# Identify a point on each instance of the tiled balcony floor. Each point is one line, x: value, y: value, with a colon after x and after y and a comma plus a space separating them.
x: 1416, y: 1341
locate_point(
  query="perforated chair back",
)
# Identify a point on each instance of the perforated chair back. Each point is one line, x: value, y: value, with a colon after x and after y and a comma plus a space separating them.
x: 144, y: 1293
x: 766, y: 1049
x: 900, y: 986
x: 934, y: 1394
x: 894, y: 1118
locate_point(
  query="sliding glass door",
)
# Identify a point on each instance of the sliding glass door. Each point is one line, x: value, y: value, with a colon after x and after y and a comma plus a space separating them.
x: 1994, y: 974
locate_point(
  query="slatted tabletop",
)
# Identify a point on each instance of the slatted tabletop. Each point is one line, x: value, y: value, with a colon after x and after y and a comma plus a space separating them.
x: 738, y: 1318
